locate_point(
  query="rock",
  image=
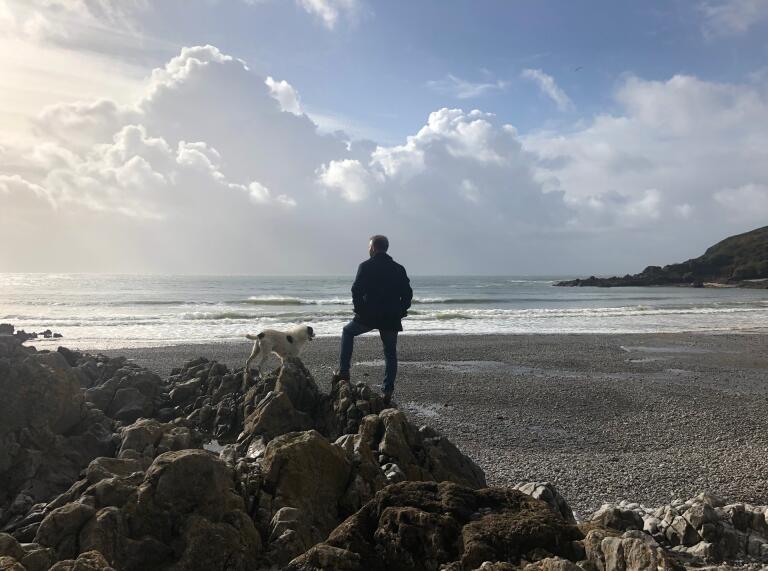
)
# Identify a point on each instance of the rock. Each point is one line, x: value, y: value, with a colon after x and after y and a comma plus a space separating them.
x: 60, y: 528
x: 10, y: 564
x: 424, y: 455
x: 296, y: 382
x: 9, y: 547
x: 289, y: 536
x: 293, y: 464
x: 39, y: 559
x: 186, y: 514
x: 150, y: 438
x: 614, y: 517
x: 276, y: 415
x: 426, y: 525
x: 89, y: 561
x: 183, y: 392
x: 681, y: 532
x: 129, y: 395
x: 327, y: 557
x: 634, y: 550
x: 699, y: 514
x: 549, y: 564
x: 548, y: 493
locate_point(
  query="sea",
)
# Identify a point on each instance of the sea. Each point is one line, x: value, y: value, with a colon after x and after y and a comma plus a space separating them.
x: 119, y: 311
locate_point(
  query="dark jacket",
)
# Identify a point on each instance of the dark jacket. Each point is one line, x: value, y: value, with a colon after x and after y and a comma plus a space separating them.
x: 381, y: 293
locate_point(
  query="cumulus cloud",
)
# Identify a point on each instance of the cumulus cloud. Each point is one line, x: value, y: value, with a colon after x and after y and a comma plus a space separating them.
x: 463, y: 89
x: 285, y: 94
x: 732, y: 17
x: 459, y: 167
x: 213, y: 168
x: 681, y: 151
x: 549, y: 87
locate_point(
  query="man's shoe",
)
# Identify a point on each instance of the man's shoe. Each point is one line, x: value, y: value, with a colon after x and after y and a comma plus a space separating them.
x: 340, y: 376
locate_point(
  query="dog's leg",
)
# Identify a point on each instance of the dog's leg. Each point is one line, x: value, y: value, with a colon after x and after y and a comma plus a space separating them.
x: 254, y: 354
x: 262, y: 360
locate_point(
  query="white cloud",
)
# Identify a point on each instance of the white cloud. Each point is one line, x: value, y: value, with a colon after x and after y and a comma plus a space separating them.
x: 348, y: 177
x: 456, y: 161
x: 747, y: 203
x: 463, y: 89
x: 681, y: 153
x: 549, y: 87
x: 331, y: 11
x: 72, y: 22
x: 204, y: 171
x: 732, y: 17
x: 285, y: 94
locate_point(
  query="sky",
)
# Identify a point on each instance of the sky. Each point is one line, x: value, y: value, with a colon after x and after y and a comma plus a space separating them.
x: 273, y: 137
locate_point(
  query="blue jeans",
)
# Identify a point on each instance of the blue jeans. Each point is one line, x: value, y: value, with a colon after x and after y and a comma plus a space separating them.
x: 388, y: 338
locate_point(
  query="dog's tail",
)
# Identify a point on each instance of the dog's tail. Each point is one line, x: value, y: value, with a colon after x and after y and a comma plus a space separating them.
x: 253, y: 337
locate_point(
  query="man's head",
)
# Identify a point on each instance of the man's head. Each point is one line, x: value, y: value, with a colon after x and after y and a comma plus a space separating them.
x: 378, y: 244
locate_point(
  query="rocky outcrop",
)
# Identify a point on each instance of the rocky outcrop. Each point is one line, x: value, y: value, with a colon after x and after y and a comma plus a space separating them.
x: 701, y: 530
x: 420, y: 525
x: 739, y: 260
x: 48, y: 432
x: 181, y: 512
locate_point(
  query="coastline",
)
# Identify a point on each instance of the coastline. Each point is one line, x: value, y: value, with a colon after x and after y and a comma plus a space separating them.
x: 650, y: 417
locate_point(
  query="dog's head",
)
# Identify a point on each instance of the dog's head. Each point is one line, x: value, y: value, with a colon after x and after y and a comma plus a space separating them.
x: 310, y: 333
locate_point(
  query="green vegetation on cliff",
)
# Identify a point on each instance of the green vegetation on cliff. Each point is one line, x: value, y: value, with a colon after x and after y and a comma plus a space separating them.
x: 733, y: 261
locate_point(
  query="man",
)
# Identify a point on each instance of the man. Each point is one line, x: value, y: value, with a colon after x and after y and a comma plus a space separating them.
x: 381, y: 296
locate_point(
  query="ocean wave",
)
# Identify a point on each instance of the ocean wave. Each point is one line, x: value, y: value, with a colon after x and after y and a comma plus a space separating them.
x: 443, y: 316
x: 290, y: 317
x: 277, y: 300
x: 455, y: 300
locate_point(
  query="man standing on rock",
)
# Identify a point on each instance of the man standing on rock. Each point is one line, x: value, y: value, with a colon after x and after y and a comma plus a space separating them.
x: 381, y: 296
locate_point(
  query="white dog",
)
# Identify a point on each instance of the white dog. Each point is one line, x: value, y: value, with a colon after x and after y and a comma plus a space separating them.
x: 281, y: 343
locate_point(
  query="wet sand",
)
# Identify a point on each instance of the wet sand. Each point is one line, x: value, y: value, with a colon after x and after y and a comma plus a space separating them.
x: 605, y: 417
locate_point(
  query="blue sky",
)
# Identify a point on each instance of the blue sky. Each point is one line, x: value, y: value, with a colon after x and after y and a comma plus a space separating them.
x: 376, y: 69
x: 486, y: 136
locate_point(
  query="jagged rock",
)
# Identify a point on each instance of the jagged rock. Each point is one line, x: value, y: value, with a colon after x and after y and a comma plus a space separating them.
x: 185, y: 514
x: 615, y: 517
x: 47, y: 433
x: 10, y: 564
x: 548, y: 493
x: 345, y: 407
x: 327, y: 557
x: 301, y: 461
x: 426, y: 525
x: 276, y: 415
x: 634, y: 550
x: 548, y: 564
x: 38, y: 558
x: 89, y: 561
x: 9, y: 547
x: 298, y: 384
x: 150, y: 438
x: 60, y: 528
x: 423, y: 455
x: 289, y: 536
x: 129, y: 395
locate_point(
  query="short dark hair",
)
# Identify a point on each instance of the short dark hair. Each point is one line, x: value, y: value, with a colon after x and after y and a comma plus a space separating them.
x: 380, y: 243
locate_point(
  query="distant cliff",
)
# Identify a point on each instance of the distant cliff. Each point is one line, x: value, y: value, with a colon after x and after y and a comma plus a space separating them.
x: 740, y: 260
